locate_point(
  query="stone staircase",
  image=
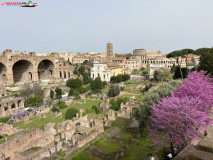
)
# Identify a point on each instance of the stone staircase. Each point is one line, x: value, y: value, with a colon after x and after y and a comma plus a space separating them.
x: 204, y: 149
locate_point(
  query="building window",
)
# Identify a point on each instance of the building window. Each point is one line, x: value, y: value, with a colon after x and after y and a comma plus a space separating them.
x: 98, y: 75
x: 92, y: 75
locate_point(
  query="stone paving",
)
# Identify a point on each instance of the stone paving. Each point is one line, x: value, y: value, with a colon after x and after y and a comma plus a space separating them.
x: 191, y: 147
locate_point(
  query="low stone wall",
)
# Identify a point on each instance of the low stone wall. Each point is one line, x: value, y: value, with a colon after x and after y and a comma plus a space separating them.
x: 88, y: 138
x: 21, y: 141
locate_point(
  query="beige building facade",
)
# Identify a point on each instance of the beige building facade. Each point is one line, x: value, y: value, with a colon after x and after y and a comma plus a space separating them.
x: 22, y: 68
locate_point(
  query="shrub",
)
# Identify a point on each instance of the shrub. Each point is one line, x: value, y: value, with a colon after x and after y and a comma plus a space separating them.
x: 162, y: 75
x: 58, y: 92
x: 4, y: 119
x: 143, y: 114
x: 34, y: 101
x: 29, y: 110
x: 104, y: 83
x: 96, y: 84
x: 74, y: 83
x: 96, y: 109
x: 177, y: 73
x: 70, y: 113
x: 148, y: 86
x: 62, y: 106
x: 115, y: 104
x: 82, y: 89
x: 119, y: 78
x: 60, y: 153
x: 55, y: 109
x: 113, y: 91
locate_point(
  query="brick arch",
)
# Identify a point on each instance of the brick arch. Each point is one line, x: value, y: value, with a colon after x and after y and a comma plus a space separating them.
x: 3, y: 72
x: 22, y: 71
x: 45, y: 69
x: 16, y: 59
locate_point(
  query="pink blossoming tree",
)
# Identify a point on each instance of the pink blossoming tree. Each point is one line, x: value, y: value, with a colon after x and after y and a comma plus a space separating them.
x: 178, y: 118
x: 198, y: 85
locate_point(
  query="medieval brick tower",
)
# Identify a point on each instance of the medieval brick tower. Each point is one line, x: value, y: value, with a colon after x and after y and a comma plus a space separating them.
x: 109, y: 52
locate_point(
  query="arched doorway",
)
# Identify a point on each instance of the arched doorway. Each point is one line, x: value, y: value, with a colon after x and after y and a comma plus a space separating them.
x: 65, y: 76
x: 30, y: 76
x: 3, y: 72
x: 60, y: 74
x: 22, y: 71
x: 68, y: 74
x: 45, y: 70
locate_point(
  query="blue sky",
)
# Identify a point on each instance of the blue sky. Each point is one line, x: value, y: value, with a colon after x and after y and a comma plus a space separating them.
x: 87, y: 25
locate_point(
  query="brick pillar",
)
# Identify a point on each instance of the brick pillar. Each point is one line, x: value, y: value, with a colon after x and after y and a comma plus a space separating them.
x: 1, y: 111
x: 35, y: 76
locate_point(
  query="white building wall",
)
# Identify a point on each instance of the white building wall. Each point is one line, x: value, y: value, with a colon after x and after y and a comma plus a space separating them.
x: 100, y: 70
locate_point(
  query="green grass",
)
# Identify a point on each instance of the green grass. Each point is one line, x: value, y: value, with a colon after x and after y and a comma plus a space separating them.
x: 132, y: 89
x: 89, y: 103
x: 60, y: 153
x: 120, y: 122
x: 139, y: 149
x: 36, y: 122
x: 105, y: 90
x: 107, y: 146
x: 82, y: 155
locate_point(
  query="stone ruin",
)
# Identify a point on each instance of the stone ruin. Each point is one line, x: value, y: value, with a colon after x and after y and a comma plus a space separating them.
x: 8, y: 129
x: 66, y: 136
x: 127, y: 109
x: 105, y: 105
x: 111, y: 115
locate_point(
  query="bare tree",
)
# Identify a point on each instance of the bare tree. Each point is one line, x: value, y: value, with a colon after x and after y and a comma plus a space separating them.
x: 37, y: 90
x: 26, y: 90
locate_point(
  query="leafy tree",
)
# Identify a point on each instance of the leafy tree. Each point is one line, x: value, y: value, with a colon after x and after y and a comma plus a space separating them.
x: 104, y: 83
x: 206, y: 63
x: 62, y: 105
x: 58, y: 92
x: 202, y: 51
x: 177, y: 73
x: 33, y: 101
x: 126, y: 77
x: 148, y: 86
x: 86, y: 78
x: 115, y: 104
x: 55, y: 109
x: 113, y: 91
x: 173, y: 68
x: 81, y: 69
x: 113, y: 79
x: 143, y: 113
x: 51, y: 94
x: 119, y: 78
x: 70, y: 113
x: 96, y: 84
x: 71, y: 92
x: 85, y: 62
x: 74, y: 83
x: 180, y: 53
x: 162, y: 75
